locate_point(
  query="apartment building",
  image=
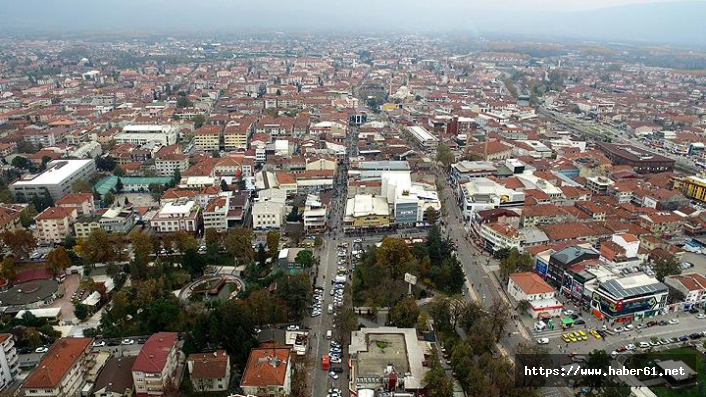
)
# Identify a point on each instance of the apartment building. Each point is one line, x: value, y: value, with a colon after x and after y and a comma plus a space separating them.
x: 215, y: 214
x: 169, y: 163
x: 154, y: 369
x: 55, y: 223
x: 181, y: 214
x: 62, y: 371
x: 236, y: 134
x: 208, y: 138
x: 268, y: 372
x: 9, y: 360
x: 85, y: 224
x: 83, y: 202
x: 209, y: 372
x: 44, y: 137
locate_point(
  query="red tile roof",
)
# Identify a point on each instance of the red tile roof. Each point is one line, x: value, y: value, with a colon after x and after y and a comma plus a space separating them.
x: 56, y: 363
x: 530, y: 283
x: 54, y: 213
x: 154, y: 353
x: 209, y: 365
x: 266, y: 367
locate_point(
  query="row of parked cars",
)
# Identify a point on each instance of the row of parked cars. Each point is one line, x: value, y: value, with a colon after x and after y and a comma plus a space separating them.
x: 96, y: 343
x: 654, y: 342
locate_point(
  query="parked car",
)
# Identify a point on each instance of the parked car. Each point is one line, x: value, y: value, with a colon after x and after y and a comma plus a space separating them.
x: 127, y: 342
x: 41, y: 349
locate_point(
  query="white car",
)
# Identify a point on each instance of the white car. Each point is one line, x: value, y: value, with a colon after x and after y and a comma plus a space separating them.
x: 99, y: 343
x: 543, y: 341
x: 41, y: 349
x: 292, y: 327
x: 568, y: 312
x: 333, y: 375
x: 127, y: 342
x: 701, y: 316
x: 673, y: 321
x: 644, y: 345
x: 629, y: 327
x: 631, y: 347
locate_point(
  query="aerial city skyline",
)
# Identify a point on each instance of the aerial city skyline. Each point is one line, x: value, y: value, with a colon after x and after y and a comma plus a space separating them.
x: 352, y: 199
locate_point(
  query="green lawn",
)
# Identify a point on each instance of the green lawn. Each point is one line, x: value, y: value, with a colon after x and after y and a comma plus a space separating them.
x: 697, y: 391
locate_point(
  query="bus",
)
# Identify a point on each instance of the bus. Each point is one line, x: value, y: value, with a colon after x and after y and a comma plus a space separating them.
x: 324, y: 362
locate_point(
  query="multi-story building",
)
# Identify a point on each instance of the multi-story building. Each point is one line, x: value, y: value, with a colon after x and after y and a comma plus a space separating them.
x: 154, y: 370
x: 44, y: 137
x: 208, y: 138
x: 209, y: 372
x: 267, y: 215
x: 9, y: 360
x: 55, y: 223
x: 83, y: 202
x: 497, y: 236
x: 85, y: 224
x: 10, y: 217
x: 236, y: 134
x: 169, y: 163
x: 694, y: 187
x: 141, y: 134
x: 55, y: 181
x: 118, y: 220
x: 268, y: 372
x: 315, y: 214
x: 629, y: 298
x: 641, y: 160
x: 692, y: 285
x: 530, y: 287
x: 62, y: 370
x: 599, y: 185
x: 215, y: 214
x: 181, y: 214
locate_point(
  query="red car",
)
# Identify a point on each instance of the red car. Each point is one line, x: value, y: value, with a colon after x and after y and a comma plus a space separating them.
x: 621, y: 349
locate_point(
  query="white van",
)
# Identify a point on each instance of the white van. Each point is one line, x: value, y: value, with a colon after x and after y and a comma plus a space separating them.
x: 329, y: 334
x: 330, y: 309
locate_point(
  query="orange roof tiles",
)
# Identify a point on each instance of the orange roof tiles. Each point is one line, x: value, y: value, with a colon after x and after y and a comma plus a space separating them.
x: 56, y: 363
x: 266, y: 367
x: 531, y: 284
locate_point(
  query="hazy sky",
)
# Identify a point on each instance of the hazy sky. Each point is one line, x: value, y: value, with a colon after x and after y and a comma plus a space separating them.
x: 660, y: 20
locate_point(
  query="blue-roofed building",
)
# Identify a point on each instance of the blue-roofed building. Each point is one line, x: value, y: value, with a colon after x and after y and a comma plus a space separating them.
x: 630, y: 298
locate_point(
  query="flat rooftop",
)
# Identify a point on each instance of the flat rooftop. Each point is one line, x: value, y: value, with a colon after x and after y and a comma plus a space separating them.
x: 57, y: 172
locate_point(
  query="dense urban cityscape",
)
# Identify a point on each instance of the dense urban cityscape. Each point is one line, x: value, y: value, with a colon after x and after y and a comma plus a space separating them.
x: 333, y: 215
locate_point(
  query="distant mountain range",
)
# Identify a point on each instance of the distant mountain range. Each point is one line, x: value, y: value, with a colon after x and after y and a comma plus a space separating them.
x: 681, y: 22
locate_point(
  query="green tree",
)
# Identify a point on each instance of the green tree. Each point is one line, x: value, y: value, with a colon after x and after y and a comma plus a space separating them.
x: 444, y: 155
x: 438, y: 383
x: 238, y: 243
x: 346, y: 322
x: 666, y: 267
x: 58, y: 261
x: 404, y: 313
x: 305, y: 258
x: 499, y: 315
x: 183, y: 102
x: 431, y: 216
x: 296, y: 291
x: 184, y: 241
x: 224, y: 185
x: 394, y: 255
x: 8, y: 271
x: 80, y: 311
x: 199, y: 119
x: 515, y: 262
x: 27, y: 216
x: 597, y: 359
x: 81, y: 186
x: 523, y: 306
x: 119, y: 186
x: 98, y: 248
x: 142, y: 246
x: 69, y: 242
x: 108, y: 199
x: 21, y: 162
x: 273, y: 243
x: 21, y: 242
x: 177, y: 176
